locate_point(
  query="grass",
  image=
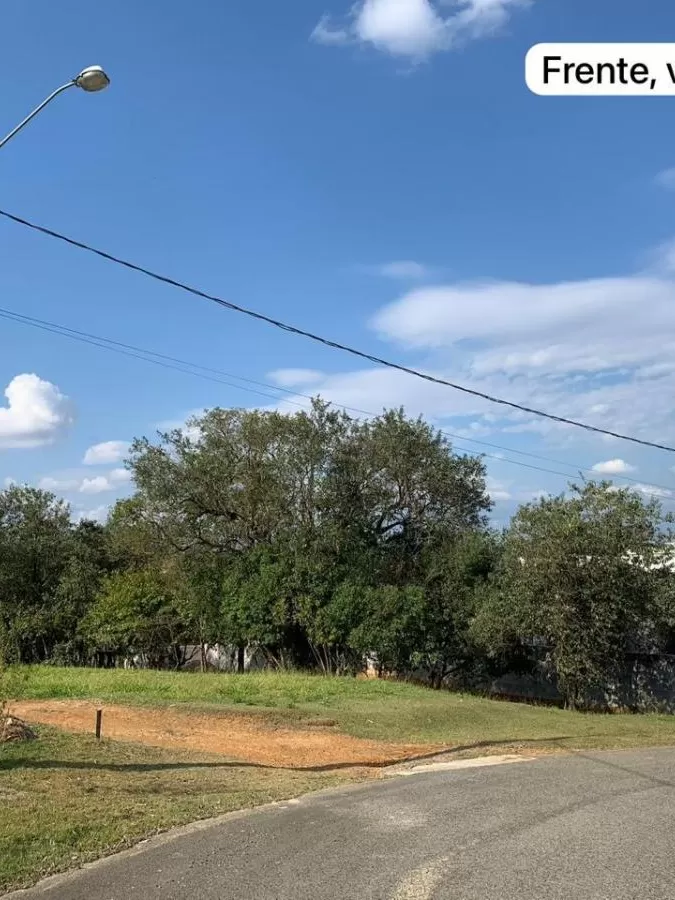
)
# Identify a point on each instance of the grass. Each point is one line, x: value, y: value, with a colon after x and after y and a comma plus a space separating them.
x: 66, y: 799
x: 381, y: 710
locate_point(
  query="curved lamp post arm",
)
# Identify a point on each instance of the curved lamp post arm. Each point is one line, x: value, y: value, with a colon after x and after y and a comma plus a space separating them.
x: 64, y: 87
x: 92, y: 80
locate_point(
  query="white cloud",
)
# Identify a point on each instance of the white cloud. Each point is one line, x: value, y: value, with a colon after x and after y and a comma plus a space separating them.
x: 497, y: 490
x: 416, y: 28
x: 97, y: 485
x: 619, y: 405
x: 295, y: 378
x: 663, y: 258
x: 405, y: 27
x: 181, y: 424
x: 102, y: 483
x: 325, y: 33
x: 514, y: 312
x: 371, y: 390
x: 651, y: 490
x: 582, y: 350
x: 72, y: 483
x: 666, y: 179
x: 107, y: 453
x: 403, y: 270
x: 475, y: 430
x: 599, y: 351
x: 35, y: 415
x: 98, y: 514
x: 120, y: 476
x: 535, y: 496
x: 613, y: 467
x: 58, y: 485
x: 9, y: 482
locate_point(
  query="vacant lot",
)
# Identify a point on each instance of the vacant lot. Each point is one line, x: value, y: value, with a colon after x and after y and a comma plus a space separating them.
x: 373, y: 710
x: 192, y: 746
x: 66, y: 799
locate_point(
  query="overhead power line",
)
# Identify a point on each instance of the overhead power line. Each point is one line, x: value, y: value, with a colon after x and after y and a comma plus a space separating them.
x: 214, y: 375
x: 345, y: 348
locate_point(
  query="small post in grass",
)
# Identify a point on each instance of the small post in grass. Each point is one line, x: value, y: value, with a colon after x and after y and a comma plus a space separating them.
x: 99, y: 721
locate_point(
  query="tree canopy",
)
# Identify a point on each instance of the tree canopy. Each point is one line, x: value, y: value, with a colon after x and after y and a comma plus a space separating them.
x: 323, y: 540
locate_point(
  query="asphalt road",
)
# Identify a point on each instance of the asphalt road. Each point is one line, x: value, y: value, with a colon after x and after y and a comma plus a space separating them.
x: 592, y: 827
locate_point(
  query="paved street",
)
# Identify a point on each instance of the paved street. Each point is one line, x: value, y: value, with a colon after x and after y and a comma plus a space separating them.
x: 585, y: 827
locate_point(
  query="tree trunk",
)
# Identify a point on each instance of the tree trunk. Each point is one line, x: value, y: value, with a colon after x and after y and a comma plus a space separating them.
x: 241, y: 659
x: 572, y: 697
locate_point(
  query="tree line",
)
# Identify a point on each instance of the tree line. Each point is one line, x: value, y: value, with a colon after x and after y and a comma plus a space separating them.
x: 323, y: 540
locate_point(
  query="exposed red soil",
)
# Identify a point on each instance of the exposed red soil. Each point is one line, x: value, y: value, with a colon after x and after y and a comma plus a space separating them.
x: 248, y: 738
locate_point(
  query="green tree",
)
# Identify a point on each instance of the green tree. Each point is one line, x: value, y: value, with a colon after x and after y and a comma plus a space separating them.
x: 289, y: 508
x: 577, y: 577
x: 198, y: 584
x: 137, y: 612
x: 396, y: 481
x: 35, y: 534
x: 132, y: 540
x: 457, y: 574
x: 231, y: 481
x: 388, y: 623
x: 87, y: 563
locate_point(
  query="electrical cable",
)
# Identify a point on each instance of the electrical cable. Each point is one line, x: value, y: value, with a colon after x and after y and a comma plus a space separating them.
x: 345, y: 348
x: 208, y: 373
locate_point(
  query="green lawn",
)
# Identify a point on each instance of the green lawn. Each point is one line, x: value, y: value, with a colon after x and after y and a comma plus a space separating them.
x: 65, y: 799
x: 381, y: 710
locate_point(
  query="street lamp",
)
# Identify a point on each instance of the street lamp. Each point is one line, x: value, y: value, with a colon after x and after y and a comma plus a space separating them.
x: 91, y: 80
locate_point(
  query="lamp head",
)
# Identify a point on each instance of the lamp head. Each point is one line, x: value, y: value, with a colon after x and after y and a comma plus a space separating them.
x: 92, y: 79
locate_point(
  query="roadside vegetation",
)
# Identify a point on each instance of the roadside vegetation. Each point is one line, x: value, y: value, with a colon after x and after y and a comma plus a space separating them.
x: 319, y: 541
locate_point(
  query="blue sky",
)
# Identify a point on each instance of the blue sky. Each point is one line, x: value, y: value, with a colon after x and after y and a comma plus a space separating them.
x: 383, y: 177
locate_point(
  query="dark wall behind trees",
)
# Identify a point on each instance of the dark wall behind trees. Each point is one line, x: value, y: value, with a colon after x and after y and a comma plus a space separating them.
x: 322, y: 540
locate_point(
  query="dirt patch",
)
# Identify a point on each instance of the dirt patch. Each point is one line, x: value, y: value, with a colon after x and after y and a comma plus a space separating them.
x: 237, y: 736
